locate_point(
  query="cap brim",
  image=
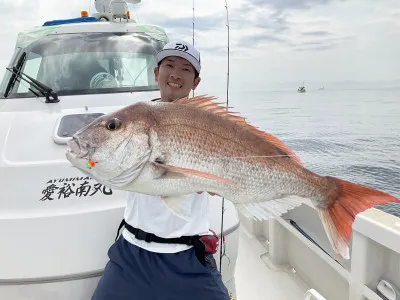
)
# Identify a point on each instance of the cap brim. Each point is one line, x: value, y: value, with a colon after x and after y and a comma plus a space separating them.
x: 174, y: 52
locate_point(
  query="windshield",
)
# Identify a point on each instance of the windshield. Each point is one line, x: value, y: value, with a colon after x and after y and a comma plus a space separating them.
x: 90, y: 63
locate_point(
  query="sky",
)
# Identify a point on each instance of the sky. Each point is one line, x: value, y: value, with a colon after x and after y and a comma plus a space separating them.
x: 273, y: 43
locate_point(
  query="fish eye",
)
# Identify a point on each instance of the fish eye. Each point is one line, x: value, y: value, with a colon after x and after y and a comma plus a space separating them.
x: 113, y: 124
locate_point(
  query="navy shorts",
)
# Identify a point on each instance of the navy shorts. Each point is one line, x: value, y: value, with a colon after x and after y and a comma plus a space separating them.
x: 137, y: 274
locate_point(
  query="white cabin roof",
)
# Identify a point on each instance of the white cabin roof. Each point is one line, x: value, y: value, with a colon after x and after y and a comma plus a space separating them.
x: 33, y: 34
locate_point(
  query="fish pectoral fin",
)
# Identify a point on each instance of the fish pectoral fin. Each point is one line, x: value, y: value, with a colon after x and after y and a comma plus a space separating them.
x: 172, y: 203
x: 178, y: 172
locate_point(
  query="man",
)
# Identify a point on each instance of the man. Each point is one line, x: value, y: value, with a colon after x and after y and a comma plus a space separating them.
x: 142, y: 269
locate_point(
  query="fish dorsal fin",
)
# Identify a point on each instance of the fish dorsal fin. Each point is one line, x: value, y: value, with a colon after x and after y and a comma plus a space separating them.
x: 205, y: 102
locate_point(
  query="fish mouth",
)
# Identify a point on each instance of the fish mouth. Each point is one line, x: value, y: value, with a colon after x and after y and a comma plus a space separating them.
x: 76, y: 149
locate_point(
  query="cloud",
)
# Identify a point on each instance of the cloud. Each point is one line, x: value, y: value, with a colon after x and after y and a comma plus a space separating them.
x: 262, y: 17
x: 316, y: 33
x: 253, y: 40
x: 323, y: 42
x: 395, y: 15
x: 24, y: 7
x: 201, y: 23
x: 315, y: 47
x: 261, y: 23
x: 281, y: 5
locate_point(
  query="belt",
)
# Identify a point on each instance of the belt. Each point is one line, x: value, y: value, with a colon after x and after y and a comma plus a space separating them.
x: 199, y: 247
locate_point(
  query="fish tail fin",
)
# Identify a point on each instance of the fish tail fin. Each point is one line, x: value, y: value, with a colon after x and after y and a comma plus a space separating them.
x: 346, y: 200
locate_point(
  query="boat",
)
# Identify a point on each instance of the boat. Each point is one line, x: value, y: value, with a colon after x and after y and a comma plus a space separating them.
x: 301, y: 89
x: 56, y: 224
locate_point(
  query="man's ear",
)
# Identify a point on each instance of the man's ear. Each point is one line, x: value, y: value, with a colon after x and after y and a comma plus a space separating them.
x: 196, y: 82
x: 156, y: 74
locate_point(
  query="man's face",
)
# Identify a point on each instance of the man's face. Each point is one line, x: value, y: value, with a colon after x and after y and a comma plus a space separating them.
x: 175, y: 77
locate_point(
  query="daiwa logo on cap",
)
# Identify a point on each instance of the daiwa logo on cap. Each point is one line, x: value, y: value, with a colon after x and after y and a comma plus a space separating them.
x: 181, y: 47
x: 183, y: 50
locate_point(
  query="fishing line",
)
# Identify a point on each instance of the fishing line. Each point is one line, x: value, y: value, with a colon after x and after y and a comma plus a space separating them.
x: 362, y: 154
x: 261, y: 156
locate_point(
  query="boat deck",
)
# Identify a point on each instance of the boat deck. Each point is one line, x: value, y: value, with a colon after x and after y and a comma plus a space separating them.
x: 255, y: 280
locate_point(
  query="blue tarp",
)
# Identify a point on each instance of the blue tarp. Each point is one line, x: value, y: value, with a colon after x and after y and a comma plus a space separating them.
x: 70, y: 21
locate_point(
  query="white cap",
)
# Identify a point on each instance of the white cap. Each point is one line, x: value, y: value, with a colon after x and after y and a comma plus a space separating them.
x: 181, y: 49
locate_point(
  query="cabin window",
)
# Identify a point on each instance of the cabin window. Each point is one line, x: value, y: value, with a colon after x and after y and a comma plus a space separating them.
x: 90, y: 63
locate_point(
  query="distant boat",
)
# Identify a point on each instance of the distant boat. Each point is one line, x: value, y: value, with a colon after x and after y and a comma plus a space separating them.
x: 301, y: 89
x: 321, y: 88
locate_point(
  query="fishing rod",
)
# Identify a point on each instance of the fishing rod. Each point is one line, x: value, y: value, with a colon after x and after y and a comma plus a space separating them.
x: 227, y: 106
x: 222, y: 244
x: 193, y: 23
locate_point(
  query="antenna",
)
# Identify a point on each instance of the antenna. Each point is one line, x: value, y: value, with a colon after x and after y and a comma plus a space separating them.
x: 227, y: 105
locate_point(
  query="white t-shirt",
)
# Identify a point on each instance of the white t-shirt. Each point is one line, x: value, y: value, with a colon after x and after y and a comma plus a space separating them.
x: 150, y: 214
